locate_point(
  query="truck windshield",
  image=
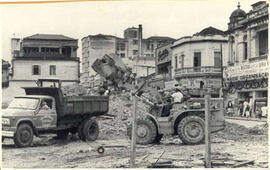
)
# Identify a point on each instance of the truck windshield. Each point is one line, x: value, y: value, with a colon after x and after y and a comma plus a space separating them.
x: 23, y: 103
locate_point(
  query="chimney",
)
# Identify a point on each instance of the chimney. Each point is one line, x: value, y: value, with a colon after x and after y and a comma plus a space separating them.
x: 140, y: 41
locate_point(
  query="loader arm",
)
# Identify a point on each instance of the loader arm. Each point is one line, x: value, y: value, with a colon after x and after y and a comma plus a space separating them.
x: 112, y: 68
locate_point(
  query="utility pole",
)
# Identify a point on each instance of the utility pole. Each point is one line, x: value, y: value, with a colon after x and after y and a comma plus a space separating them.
x: 133, y: 134
x: 134, y: 122
x: 207, y: 129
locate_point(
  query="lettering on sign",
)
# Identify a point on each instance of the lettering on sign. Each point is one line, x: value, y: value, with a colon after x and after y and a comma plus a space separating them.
x: 254, y: 70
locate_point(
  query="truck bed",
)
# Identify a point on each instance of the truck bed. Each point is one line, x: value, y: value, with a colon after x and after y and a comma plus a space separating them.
x: 80, y: 105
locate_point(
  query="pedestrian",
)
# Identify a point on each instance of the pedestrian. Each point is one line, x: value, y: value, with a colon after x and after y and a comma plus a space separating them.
x: 230, y: 108
x: 240, y: 109
x: 245, y: 108
x: 258, y: 111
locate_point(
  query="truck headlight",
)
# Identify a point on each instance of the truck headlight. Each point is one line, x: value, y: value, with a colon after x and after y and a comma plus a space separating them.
x: 5, y: 121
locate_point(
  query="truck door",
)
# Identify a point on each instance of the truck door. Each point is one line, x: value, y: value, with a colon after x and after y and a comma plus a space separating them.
x: 46, y: 117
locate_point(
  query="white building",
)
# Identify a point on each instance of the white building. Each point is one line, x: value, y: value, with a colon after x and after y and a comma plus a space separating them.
x: 196, y: 60
x: 39, y: 56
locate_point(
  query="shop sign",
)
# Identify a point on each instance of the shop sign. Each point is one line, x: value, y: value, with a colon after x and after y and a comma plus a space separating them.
x: 247, y: 71
x: 164, y: 55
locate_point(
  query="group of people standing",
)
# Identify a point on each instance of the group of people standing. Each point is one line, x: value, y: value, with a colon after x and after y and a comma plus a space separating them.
x: 244, y: 108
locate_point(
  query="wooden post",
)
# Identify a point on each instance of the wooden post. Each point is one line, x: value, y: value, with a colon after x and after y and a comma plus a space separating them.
x: 133, y: 134
x: 207, y: 130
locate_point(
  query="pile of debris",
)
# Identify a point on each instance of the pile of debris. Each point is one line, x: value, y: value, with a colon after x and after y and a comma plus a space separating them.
x: 120, y: 108
x: 237, y: 132
x: 74, y: 90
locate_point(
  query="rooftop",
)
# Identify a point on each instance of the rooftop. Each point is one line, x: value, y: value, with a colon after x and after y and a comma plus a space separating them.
x: 48, y: 37
x: 159, y: 38
x: 210, y: 31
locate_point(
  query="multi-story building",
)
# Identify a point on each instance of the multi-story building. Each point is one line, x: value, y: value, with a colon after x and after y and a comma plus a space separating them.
x: 5, y: 73
x: 163, y: 67
x: 247, y: 73
x: 196, y: 60
x: 43, y: 55
x: 136, y: 52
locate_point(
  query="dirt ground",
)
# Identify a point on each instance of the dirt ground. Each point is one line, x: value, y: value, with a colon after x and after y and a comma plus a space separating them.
x: 229, y: 146
x: 235, y: 144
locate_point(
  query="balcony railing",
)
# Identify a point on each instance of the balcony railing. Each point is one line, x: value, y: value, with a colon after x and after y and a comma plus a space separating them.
x: 162, y: 76
x: 189, y: 71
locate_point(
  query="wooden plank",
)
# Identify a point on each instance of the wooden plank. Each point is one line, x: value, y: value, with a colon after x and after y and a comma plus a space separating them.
x: 243, y: 163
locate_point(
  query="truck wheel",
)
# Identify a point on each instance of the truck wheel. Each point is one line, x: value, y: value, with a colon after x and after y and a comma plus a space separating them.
x: 146, y: 131
x: 24, y: 135
x: 62, y: 134
x: 191, y: 130
x: 80, y: 132
x: 158, y: 138
x: 90, y: 130
x: 129, y: 131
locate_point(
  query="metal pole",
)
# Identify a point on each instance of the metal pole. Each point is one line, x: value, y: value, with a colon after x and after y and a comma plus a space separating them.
x: 221, y: 57
x: 133, y: 138
x: 207, y: 130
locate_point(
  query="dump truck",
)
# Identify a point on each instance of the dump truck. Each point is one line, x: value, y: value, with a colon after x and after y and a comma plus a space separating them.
x: 45, y: 110
x: 185, y: 119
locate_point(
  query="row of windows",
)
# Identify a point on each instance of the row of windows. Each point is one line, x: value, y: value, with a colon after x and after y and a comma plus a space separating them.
x: 36, y: 70
x: 197, y: 60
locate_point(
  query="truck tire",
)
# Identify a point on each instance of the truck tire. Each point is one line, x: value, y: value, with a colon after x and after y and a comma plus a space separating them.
x: 158, y: 138
x: 191, y: 130
x: 62, y: 134
x: 146, y: 131
x: 129, y: 131
x: 24, y: 135
x: 90, y: 130
x: 80, y: 132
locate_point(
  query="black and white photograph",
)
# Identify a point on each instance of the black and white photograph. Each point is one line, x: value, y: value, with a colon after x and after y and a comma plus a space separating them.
x: 134, y: 84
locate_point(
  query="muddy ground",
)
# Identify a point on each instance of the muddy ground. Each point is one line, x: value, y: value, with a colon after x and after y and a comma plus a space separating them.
x: 235, y: 144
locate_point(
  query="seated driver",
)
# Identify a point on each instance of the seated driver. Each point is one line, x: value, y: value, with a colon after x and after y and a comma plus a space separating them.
x: 44, y: 106
x: 177, y: 97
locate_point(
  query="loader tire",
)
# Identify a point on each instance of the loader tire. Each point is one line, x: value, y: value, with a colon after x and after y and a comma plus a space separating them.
x: 191, y: 130
x: 146, y: 132
x: 24, y: 135
x: 158, y: 138
x: 90, y: 130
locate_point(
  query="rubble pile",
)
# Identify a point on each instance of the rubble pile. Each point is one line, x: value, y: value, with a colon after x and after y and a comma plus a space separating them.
x: 121, y: 107
x: 74, y: 90
x: 237, y: 132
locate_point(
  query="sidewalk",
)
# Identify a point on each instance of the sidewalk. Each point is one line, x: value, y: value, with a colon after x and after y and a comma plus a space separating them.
x: 245, y: 118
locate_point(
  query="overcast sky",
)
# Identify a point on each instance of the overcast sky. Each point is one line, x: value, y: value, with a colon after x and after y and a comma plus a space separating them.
x: 79, y: 19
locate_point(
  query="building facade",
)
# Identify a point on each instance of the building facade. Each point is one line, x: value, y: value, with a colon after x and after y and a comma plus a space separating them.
x: 43, y: 55
x: 163, y: 67
x: 196, y: 60
x: 247, y: 73
x: 136, y: 52
x: 5, y: 73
